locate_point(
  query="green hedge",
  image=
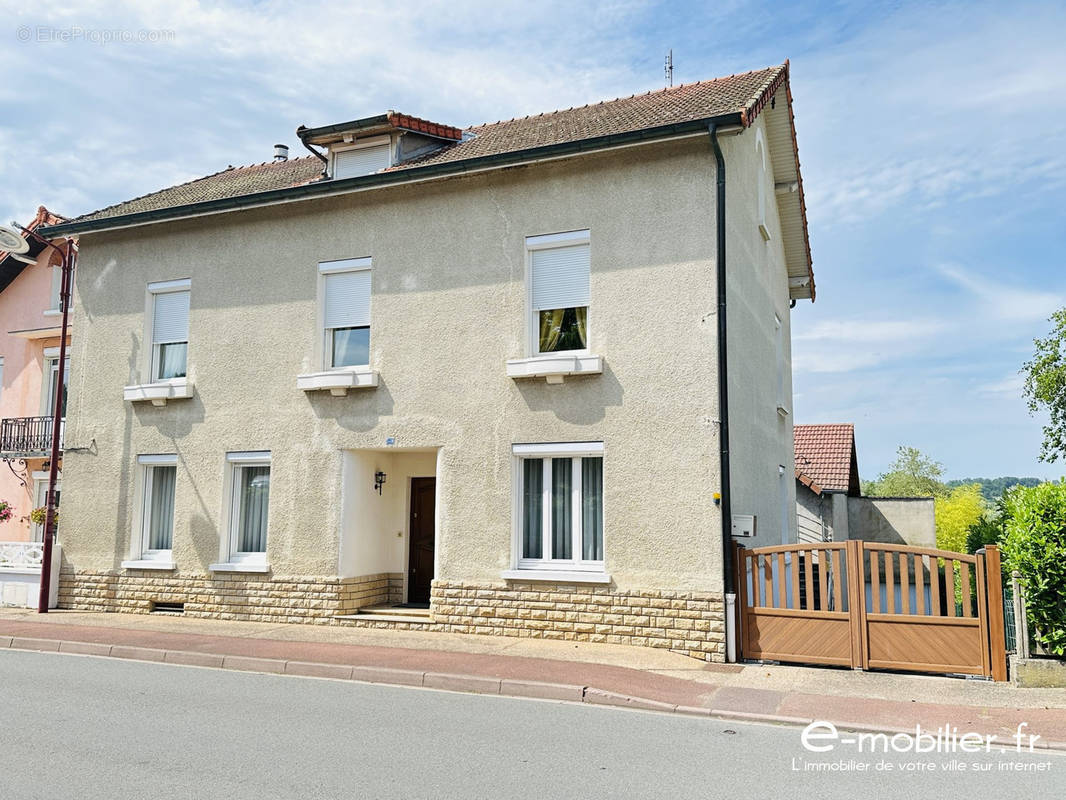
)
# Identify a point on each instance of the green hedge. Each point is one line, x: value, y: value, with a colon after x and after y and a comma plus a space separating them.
x: 1035, y: 545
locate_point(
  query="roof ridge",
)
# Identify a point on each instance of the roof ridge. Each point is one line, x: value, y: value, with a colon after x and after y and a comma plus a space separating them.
x: 664, y: 90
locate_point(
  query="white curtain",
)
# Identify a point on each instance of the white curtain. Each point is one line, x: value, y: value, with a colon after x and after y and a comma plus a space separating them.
x: 562, y: 514
x: 532, y: 503
x: 172, y: 358
x: 161, y: 508
x: 254, y: 499
x: 592, y: 509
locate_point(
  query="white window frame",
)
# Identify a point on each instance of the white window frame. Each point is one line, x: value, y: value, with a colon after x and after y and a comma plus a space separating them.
x: 325, y: 337
x: 549, y: 566
x: 55, y: 292
x: 147, y: 464
x: 376, y: 141
x: 155, y: 289
x: 230, y: 558
x: 50, y: 378
x: 550, y: 241
x: 40, y: 499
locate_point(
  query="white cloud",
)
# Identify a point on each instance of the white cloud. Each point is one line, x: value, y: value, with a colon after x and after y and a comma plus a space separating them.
x: 1002, y: 300
x: 1011, y: 386
x: 927, y: 107
x: 846, y: 345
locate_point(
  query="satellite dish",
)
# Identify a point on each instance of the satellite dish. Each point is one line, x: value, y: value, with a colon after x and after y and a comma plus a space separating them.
x: 11, y: 240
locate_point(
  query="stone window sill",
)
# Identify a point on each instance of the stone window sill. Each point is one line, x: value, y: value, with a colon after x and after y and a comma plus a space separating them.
x: 338, y: 382
x: 150, y: 563
x: 239, y: 566
x: 554, y: 368
x: 555, y: 576
x: 158, y: 393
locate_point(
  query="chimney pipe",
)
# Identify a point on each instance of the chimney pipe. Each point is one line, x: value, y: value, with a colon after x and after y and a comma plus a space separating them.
x: 281, y: 152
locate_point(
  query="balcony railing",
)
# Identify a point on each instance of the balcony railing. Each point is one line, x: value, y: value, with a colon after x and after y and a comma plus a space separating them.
x: 23, y: 436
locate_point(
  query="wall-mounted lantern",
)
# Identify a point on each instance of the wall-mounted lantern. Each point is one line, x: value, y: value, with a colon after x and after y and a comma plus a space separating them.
x: 379, y: 480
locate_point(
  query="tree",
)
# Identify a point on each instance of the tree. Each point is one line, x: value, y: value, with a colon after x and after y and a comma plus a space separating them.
x: 993, y: 488
x: 912, y: 474
x: 956, y: 514
x: 1045, y: 386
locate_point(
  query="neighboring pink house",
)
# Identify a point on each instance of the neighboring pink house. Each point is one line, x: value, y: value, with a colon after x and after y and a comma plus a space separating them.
x: 30, y: 320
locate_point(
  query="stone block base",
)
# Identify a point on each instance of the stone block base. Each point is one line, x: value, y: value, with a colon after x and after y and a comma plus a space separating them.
x: 240, y: 596
x: 692, y: 623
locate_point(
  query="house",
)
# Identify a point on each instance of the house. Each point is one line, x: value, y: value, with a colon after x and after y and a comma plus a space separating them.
x: 29, y: 360
x: 457, y: 379
x: 829, y: 502
x: 30, y: 329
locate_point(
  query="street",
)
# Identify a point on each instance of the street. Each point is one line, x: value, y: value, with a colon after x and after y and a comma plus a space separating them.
x: 75, y: 726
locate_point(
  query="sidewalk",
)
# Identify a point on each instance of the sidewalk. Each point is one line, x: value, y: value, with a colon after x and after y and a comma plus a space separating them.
x: 559, y: 670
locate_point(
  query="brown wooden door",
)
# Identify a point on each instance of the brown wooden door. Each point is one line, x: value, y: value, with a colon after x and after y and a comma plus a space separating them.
x: 421, y: 539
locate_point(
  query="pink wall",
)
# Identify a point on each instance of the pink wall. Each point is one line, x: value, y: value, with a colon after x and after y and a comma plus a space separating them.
x: 22, y: 307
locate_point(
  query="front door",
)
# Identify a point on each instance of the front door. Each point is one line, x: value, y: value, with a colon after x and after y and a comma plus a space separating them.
x: 422, y: 536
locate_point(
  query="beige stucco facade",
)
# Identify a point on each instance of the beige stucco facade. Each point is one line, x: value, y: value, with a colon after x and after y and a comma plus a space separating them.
x: 449, y: 308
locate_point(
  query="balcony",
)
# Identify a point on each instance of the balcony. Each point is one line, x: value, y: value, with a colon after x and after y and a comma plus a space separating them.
x: 28, y: 437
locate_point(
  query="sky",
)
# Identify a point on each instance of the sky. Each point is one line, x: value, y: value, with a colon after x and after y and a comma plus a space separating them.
x: 930, y: 138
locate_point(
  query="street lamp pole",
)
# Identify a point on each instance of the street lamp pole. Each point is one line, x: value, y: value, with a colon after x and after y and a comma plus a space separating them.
x: 57, y: 428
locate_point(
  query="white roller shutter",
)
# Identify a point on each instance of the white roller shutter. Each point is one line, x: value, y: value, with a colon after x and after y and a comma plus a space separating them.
x: 561, y: 277
x: 347, y: 299
x: 360, y: 161
x: 170, y: 322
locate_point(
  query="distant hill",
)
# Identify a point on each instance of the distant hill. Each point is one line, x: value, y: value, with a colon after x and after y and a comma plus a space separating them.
x: 993, y: 488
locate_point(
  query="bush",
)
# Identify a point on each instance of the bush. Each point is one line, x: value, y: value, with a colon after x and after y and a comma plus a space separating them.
x: 956, y: 514
x: 1035, y: 545
x: 987, y: 530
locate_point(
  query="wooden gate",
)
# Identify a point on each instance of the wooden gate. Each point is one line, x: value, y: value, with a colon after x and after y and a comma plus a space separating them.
x: 872, y: 606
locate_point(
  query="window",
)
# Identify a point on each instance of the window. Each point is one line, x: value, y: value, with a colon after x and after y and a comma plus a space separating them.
x: 559, y: 291
x: 170, y: 329
x: 51, y: 361
x: 346, y: 312
x: 362, y: 159
x: 249, y: 506
x: 1, y: 377
x: 40, y: 500
x: 157, y: 518
x: 55, y: 302
x: 560, y: 506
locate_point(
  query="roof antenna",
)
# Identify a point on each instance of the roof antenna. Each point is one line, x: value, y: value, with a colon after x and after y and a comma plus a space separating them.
x: 668, y: 68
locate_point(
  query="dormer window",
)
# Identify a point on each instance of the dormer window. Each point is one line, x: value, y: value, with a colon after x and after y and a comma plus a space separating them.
x: 369, y: 145
x: 361, y: 157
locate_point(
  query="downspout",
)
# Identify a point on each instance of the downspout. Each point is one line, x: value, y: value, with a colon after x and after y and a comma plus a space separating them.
x: 723, y: 403
x: 312, y: 150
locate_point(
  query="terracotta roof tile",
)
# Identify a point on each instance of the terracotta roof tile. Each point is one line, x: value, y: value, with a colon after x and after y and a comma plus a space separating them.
x: 825, y: 454
x: 230, y: 182
x: 744, y: 94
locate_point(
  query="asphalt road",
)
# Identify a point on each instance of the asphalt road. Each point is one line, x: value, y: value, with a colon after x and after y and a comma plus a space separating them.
x: 87, y: 728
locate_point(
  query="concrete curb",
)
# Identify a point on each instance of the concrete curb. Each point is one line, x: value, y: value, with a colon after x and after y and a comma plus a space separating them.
x: 442, y: 681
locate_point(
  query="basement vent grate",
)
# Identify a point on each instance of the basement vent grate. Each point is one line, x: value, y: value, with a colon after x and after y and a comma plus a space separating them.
x: 168, y: 608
